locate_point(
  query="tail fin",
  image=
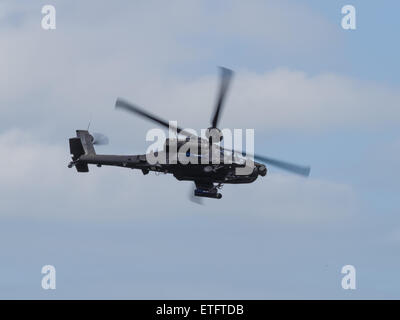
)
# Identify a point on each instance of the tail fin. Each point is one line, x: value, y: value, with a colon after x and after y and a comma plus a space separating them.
x: 82, y: 144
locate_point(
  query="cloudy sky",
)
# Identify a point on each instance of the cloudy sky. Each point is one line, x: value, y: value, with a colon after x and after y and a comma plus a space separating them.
x: 314, y: 93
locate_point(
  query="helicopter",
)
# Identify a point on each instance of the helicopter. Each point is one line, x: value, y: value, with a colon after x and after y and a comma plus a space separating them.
x: 207, y: 174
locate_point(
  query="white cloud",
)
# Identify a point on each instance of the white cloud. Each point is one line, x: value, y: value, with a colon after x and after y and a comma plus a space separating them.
x: 293, y: 99
x: 95, y: 55
x: 278, y: 100
x: 55, y: 81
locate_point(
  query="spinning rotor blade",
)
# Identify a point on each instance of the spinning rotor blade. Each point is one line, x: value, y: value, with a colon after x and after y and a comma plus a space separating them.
x: 301, y: 170
x: 121, y: 104
x: 99, y: 139
x: 226, y: 76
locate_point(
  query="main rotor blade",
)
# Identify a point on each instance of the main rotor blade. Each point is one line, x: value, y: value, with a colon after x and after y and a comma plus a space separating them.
x: 301, y: 170
x: 122, y: 104
x: 226, y: 76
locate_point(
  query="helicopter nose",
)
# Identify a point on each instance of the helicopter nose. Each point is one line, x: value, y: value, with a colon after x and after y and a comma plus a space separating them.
x: 262, y: 170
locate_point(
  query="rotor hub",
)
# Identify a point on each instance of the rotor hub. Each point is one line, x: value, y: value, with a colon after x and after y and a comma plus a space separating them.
x: 214, y: 134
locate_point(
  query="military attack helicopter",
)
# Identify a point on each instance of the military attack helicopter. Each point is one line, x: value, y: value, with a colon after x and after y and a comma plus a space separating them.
x: 208, y: 175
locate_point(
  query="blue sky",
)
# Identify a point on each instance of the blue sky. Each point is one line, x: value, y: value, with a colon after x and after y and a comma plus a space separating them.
x: 314, y: 93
